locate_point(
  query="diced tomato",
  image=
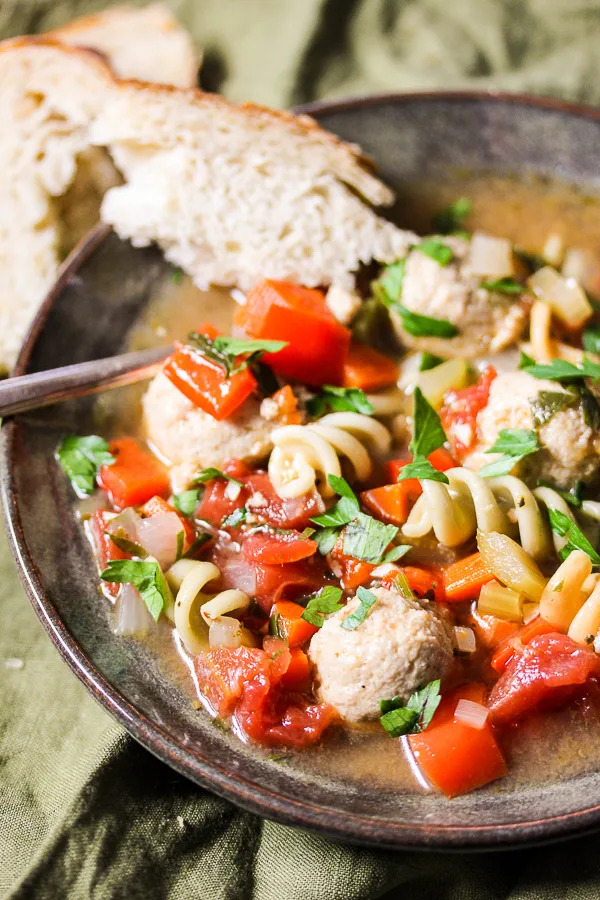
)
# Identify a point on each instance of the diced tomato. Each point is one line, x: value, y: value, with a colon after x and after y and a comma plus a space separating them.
x: 516, y: 639
x: 421, y: 581
x: 460, y: 410
x: 455, y: 757
x: 273, y: 549
x: 244, y: 683
x: 317, y: 344
x: 279, y: 512
x: 237, y: 468
x: 274, y: 583
x: 296, y: 629
x: 205, y: 383
x: 545, y: 671
x: 369, y: 370
x: 464, y: 579
x: 216, y: 504
x: 135, y: 477
x: 354, y: 572
x: 287, y: 406
x: 392, y: 502
x: 106, y: 550
x: 156, y: 506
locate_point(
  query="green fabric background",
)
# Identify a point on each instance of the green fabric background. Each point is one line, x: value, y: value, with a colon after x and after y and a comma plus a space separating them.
x: 84, y: 811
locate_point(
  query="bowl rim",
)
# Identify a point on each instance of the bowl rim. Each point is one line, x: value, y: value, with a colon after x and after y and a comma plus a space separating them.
x: 254, y: 797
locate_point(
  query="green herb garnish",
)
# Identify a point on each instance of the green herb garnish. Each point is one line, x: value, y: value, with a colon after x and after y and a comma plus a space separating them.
x: 81, y: 459
x: 356, y: 618
x: 560, y: 369
x: 186, y: 502
x: 123, y: 543
x: 398, y: 718
x: 428, y: 435
x: 365, y: 538
x: 436, y: 250
x: 339, y: 399
x: 515, y: 444
x: 421, y: 469
x: 451, y: 219
x: 547, y: 403
x: 388, y: 287
x: 564, y: 526
x: 237, y: 517
x: 237, y: 346
x: 526, y: 361
x: 429, y: 361
x: 147, y: 577
x: 224, y: 351
x: 211, y: 473
x: 326, y: 602
x: 504, y: 285
x: 591, y: 339
x: 424, y: 326
x: 276, y: 628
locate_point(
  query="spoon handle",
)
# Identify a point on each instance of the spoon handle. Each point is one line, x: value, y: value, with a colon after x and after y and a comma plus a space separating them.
x: 28, y: 392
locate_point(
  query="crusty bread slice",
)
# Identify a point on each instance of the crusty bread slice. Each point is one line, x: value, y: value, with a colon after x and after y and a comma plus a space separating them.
x: 236, y: 193
x: 146, y: 43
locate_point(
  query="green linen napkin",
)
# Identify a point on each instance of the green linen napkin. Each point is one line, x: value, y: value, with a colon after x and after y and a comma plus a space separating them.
x: 84, y: 811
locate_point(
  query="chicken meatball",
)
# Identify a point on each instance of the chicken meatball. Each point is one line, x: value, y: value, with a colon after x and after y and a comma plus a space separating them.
x: 569, y: 447
x: 190, y: 439
x: 487, y: 321
x: 401, y: 646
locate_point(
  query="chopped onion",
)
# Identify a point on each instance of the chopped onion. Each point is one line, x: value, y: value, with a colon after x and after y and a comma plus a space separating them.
x: 564, y: 296
x: 225, y: 632
x: 511, y: 564
x: 131, y: 613
x: 129, y: 521
x: 232, y: 490
x: 435, y: 383
x: 158, y: 537
x: 385, y: 569
x: 470, y: 713
x: 554, y: 249
x: 584, y: 267
x: 491, y: 257
x: 236, y: 573
x: 465, y: 639
x: 294, y: 508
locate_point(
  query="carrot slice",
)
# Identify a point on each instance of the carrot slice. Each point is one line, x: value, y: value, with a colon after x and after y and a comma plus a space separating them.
x: 369, y: 370
x: 297, y: 676
x: 392, y: 502
x: 519, y: 639
x: 464, y: 579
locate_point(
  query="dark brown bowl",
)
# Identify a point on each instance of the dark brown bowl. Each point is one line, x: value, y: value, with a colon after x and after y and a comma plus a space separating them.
x: 99, y: 294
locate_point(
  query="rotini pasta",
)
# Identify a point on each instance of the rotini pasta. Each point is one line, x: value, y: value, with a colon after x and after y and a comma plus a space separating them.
x: 305, y: 455
x: 542, y: 346
x: 454, y: 512
x: 196, y: 614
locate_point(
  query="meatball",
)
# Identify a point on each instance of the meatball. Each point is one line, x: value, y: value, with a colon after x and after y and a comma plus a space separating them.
x: 401, y: 646
x: 189, y: 439
x: 487, y: 321
x: 569, y: 447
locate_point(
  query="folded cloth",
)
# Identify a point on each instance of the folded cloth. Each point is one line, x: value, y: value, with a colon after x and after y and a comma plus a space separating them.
x: 84, y: 811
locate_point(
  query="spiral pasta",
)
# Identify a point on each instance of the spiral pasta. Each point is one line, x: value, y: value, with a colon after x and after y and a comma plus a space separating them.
x: 455, y: 511
x: 199, y: 617
x: 304, y: 455
x: 542, y: 346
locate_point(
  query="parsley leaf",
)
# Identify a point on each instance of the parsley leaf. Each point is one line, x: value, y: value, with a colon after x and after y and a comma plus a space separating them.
x: 339, y: 399
x: 515, y: 444
x: 504, y: 285
x: 81, y: 458
x: 428, y: 432
x: 388, y: 287
x: 211, y: 473
x: 452, y: 218
x: 236, y: 346
x: 146, y: 576
x: 526, y: 361
x: 325, y: 539
x: 186, y: 502
x: 424, y: 326
x: 395, y: 553
x: 367, y: 600
x: 436, y: 250
x: 423, y: 470
x: 547, y: 403
x: 365, y: 538
x: 123, y: 543
x: 560, y: 369
x: 591, y: 339
x: 429, y: 361
x: 574, y: 496
x: 327, y: 601
x: 564, y: 526
x: 344, y: 510
x: 398, y: 718
x: 236, y: 518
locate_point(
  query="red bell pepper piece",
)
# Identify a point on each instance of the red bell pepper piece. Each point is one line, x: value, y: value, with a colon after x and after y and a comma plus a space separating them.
x: 135, y: 477
x: 369, y: 370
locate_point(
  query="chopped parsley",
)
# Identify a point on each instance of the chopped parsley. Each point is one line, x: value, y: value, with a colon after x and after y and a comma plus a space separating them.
x: 326, y: 602
x: 429, y: 361
x: 237, y: 517
x: 366, y: 538
x: 547, y: 403
x: 560, y: 369
x: 428, y: 435
x: 399, y: 718
x: 186, y: 502
x: 236, y: 346
x: 591, y: 339
x: 436, y: 250
x: 504, y: 285
x: 224, y: 351
x: 526, y: 360
x: 564, y: 526
x: 81, y: 459
x: 424, y: 326
x: 276, y: 628
x: 356, y: 618
x: 339, y: 399
x: 452, y: 218
x: 325, y: 539
x: 421, y: 469
x: 146, y: 576
x: 211, y: 473
x: 123, y: 543
x: 515, y: 444
x: 388, y: 287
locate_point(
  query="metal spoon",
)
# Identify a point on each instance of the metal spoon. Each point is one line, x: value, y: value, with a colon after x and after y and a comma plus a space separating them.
x: 27, y: 392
